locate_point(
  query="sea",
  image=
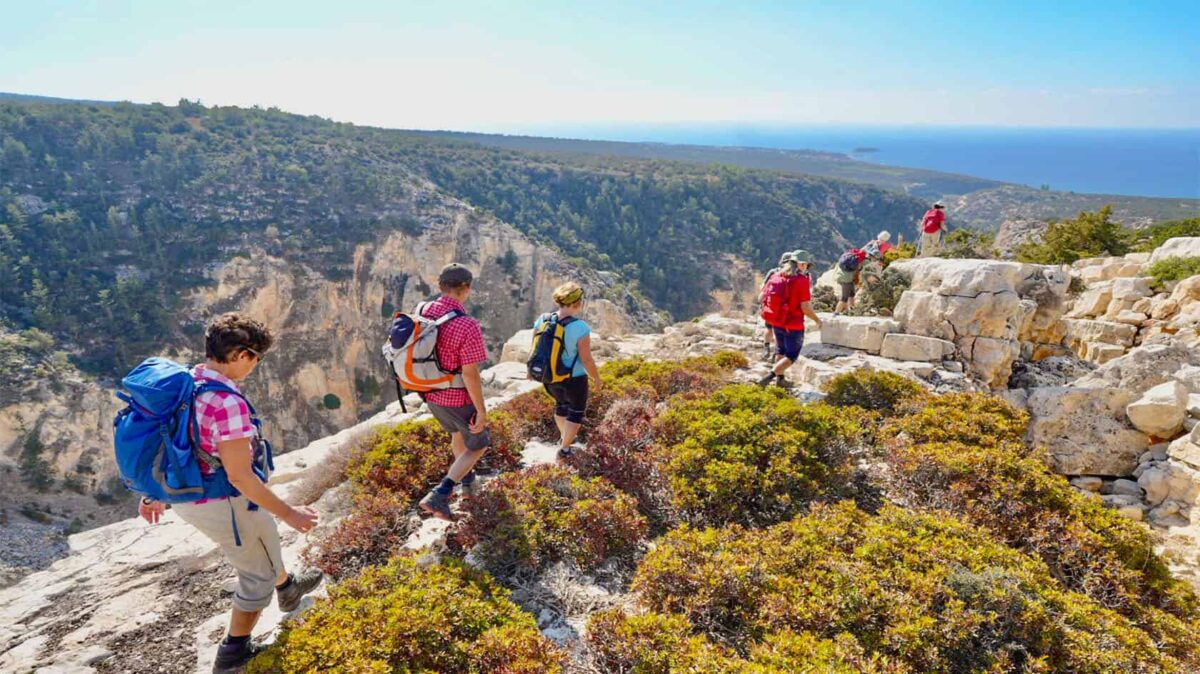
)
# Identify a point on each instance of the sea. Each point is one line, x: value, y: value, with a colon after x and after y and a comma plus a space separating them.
x: 1141, y: 162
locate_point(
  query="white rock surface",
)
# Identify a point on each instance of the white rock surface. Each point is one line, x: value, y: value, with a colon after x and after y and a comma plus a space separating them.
x: 857, y: 332
x: 1085, y: 431
x: 1160, y: 411
x: 1180, y: 246
x: 900, y: 346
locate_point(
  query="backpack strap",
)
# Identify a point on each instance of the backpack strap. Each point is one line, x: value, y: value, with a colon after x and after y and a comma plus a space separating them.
x: 447, y: 317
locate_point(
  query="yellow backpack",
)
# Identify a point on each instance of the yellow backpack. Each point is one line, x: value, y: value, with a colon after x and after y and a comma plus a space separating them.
x: 546, y: 357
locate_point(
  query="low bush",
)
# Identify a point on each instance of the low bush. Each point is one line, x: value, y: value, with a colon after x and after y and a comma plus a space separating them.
x: 653, y: 643
x: 1174, y: 269
x: 1086, y: 235
x: 824, y: 299
x: 405, y: 618
x: 620, y: 450
x: 904, y: 251
x: 970, y: 418
x: 881, y: 297
x: 752, y: 455
x: 1156, y: 235
x: 374, y: 532
x: 1091, y: 549
x: 404, y: 460
x: 883, y: 392
x: 548, y: 513
x: 968, y: 244
x: 927, y: 590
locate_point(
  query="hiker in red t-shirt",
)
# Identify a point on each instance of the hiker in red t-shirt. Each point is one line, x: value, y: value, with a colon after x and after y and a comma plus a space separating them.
x: 933, y: 226
x: 786, y: 300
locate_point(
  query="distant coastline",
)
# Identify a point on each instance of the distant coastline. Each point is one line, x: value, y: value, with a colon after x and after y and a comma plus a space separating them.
x: 1135, y: 162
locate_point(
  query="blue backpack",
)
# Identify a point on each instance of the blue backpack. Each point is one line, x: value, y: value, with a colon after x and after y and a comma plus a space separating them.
x: 157, y: 440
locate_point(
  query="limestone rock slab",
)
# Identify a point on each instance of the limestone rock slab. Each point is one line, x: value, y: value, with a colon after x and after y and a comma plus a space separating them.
x: 1085, y: 431
x: 1161, y: 410
x: 864, y: 333
x: 900, y: 346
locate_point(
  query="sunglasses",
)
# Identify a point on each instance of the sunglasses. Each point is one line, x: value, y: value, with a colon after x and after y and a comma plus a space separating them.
x: 258, y: 356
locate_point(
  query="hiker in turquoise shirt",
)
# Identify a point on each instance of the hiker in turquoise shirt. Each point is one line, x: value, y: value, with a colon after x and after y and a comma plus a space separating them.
x: 571, y: 395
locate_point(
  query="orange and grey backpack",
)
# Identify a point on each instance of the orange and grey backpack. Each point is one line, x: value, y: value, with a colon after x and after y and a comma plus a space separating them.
x: 412, y: 352
x: 546, y: 359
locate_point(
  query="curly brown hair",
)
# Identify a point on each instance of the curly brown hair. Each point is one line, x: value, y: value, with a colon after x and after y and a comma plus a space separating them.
x: 229, y: 333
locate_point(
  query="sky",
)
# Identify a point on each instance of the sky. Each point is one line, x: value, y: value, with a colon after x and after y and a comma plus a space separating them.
x: 528, y: 64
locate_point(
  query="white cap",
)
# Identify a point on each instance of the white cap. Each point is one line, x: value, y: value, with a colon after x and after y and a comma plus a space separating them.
x: 884, y: 236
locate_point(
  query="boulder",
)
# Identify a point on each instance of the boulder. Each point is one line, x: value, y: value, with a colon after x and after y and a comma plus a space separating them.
x: 1131, y: 289
x: 1180, y: 246
x: 1130, y: 317
x: 1127, y: 488
x: 1084, y: 430
x: 990, y: 359
x: 1161, y: 410
x: 1093, y: 302
x: 517, y: 348
x: 1080, y: 331
x: 1100, y: 353
x: 1193, y: 405
x: 857, y: 332
x: 900, y: 346
x: 1186, y: 449
x: 1170, y: 482
x: 1145, y: 367
x: 1087, y: 483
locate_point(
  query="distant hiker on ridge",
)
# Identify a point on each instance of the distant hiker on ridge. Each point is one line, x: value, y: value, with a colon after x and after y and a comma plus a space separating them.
x: 933, y: 226
x: 561, y: 358
x: 229, y: 462
x: 786, y: 300
x: 880, y: 245
x: 459, y: 408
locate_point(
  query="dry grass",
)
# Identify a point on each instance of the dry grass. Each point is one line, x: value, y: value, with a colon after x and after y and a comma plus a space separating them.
x: 332, y: 471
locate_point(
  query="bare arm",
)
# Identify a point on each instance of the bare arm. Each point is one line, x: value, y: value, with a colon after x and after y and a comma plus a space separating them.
x: 589, y: 363
x: 474, y: 383
x: 806, y: 307
x: 237, y: 457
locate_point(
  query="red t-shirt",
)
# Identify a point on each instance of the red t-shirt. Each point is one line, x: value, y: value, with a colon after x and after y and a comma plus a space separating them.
x: 799, y: 292
x: 933, y: 220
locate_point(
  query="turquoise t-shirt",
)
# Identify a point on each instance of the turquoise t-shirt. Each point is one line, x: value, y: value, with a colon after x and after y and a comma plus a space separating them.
x: 572, y: 333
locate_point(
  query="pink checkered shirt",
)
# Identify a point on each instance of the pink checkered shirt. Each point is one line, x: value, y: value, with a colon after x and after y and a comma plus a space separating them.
x: 220, y: 416
x: 460, y: 342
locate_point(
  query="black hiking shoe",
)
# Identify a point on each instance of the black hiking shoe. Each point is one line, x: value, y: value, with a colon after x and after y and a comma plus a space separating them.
x: 782, y: 382
x: 233, y: 658
x: 766, y: 381
x: 290, y: 596
x: 437, y: 505
x: 566, y: 453
x: 768, y: 352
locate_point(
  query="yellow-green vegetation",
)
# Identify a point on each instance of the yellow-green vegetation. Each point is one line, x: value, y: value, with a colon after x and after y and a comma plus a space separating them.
x: 1174, y: 269
x: 445, y: 618
x: 548, y: 513
x: 1157, y: 234
x: 904, y: 251
x: 883, y: 392
x: 928, y: 590
x: 753, y: 455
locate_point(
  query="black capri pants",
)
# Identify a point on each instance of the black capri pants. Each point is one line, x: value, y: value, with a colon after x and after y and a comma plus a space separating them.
x: 570, y: 398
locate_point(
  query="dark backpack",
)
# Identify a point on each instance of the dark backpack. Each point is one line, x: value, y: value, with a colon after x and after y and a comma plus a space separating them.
x: 850, y: 260
x: 545, y: 362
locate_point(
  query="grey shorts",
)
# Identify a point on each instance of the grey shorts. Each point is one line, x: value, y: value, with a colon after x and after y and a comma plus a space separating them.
x: 258, y: 560
x: 847, y: 291
x: 458, y: 420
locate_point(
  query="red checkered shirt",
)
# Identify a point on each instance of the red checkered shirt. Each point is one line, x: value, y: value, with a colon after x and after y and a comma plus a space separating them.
x: 460, y: 342
x: 220, y: 416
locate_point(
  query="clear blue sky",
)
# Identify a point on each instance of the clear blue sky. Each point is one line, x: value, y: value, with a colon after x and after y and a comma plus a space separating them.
x: 464, y: 64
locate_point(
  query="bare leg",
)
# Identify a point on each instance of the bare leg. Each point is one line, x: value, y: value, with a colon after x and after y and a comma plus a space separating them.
x: 241, y: 623
x: 561, y: 424
x: 464, y: 459
x: 568, y: 430
x: 781, y: 365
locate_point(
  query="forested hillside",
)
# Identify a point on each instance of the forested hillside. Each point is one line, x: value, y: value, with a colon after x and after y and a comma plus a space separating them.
x: 108, y: 214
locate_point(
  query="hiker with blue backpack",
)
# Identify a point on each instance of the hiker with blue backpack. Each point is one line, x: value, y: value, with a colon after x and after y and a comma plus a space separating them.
x: 561, y: 359
x: 191, y: 439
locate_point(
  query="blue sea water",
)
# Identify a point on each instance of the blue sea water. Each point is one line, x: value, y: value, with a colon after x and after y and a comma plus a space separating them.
x: 1144, y: 162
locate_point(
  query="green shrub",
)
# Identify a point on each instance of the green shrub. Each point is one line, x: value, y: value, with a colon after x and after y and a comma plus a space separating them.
x: 621, y: 450
x: 904, y: 251
x: 881, y: 297
x: 653, y: 644
x: 331, y: 402
x: 968, y: 244
x: 404, y: 618
x: 1156, y: 235
x: 547, y: 513
x: 1174, y: 269
x: 1087, y: 235
x: 403, y: 460
x: 927, y: 590
x: 824, y: 299
x: 1090, y: 548
x: 883, y: 392
x: 753, y: 455
x: 970, y: 418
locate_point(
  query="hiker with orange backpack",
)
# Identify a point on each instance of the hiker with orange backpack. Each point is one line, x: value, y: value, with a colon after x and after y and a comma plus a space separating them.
x: 437, y: 351
x: 561, y: 358
x: 786, y: 300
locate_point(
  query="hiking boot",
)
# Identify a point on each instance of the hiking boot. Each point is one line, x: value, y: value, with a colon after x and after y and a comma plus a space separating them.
x: 782, y: 382
x: 566, y: 453
x: 290, y: 596
x: 768, y: 352
x: 438, y: 505
x: 233, y: 658
x: 766, y: 381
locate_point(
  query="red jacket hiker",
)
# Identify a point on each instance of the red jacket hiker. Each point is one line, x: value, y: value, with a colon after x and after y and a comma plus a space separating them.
x: 933, y: 220
x: 782, y: 299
